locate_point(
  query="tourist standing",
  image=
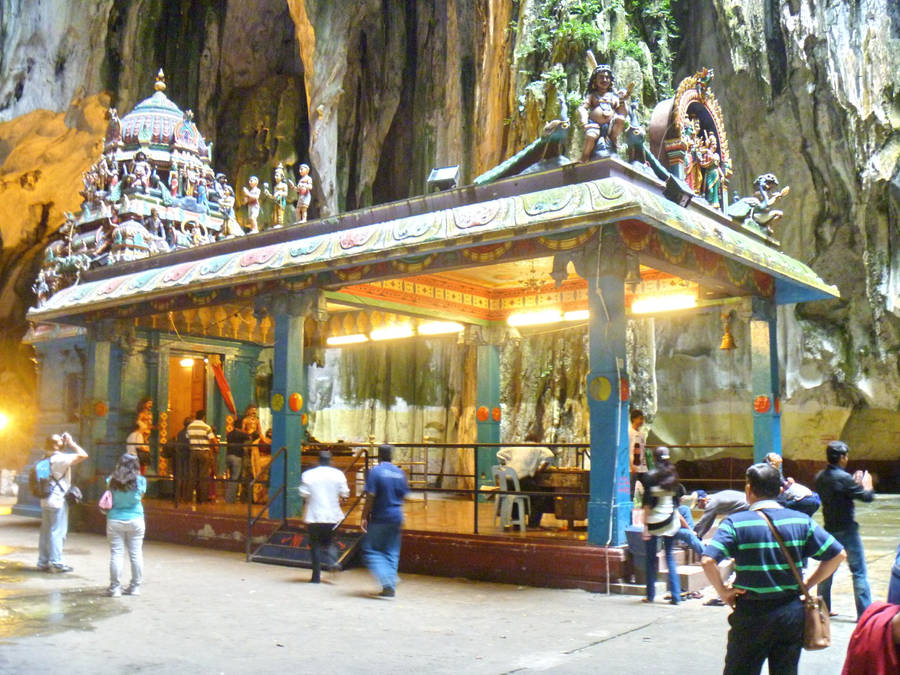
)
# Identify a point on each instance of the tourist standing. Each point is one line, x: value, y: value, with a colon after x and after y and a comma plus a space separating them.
x: 382, y: 520
x: 183, y: 486
x: 54, y: 508
x: 237, y: 443
x: 200, y: 436
x: 661, y: 519
x: 125, y: 524
x: 837, y: 490
x: 767, y: 622
x: 636, y: 446
x: 323, y: 488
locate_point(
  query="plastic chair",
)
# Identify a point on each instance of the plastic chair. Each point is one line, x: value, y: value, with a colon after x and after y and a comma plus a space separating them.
x: 507, y: 480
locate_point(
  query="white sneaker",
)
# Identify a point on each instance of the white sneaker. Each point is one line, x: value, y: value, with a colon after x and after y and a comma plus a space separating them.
x: 114, y: 591
x: 133, y: 590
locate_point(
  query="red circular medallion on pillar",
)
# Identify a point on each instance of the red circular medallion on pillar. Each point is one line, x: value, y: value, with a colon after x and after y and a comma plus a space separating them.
x: 495, y: 414
x: 624, y: 390
x: 762, y: 404
x: 100, y: 408
x: 482, y: 414
x: 295, y: 402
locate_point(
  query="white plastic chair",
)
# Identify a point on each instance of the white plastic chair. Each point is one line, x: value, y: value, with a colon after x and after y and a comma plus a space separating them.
x: 507, y: 480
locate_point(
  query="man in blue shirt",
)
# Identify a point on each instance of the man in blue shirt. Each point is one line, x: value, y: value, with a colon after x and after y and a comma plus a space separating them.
x: 767, y: 622
x: 382, y: 520
x: 838, y: 489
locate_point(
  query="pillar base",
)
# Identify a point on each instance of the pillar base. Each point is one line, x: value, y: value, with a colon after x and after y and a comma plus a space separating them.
x: 599, y: 524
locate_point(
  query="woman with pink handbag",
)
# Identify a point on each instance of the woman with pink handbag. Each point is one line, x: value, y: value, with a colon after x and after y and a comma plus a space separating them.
x: 125, y: 524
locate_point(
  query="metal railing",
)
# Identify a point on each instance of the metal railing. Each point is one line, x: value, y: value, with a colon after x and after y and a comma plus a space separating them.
x: 280, y: 492
x: 433, y: 474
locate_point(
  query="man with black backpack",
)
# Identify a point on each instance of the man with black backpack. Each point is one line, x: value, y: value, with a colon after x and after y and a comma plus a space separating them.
x: 54, y: 507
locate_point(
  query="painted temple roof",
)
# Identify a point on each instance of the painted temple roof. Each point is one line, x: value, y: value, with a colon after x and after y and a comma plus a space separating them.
x: 566, y: 205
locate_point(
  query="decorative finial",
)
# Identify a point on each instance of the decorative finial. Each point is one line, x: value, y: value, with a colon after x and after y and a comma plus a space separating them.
x: 160, y: 81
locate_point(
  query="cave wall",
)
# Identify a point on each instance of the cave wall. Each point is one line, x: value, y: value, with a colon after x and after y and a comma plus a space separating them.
x: 374, y: 98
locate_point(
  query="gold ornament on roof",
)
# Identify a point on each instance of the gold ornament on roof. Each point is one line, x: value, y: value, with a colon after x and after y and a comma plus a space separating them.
x: 160, y: 81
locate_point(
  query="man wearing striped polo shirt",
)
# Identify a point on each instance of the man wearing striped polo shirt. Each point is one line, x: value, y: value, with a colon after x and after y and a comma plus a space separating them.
x: 767, y: 621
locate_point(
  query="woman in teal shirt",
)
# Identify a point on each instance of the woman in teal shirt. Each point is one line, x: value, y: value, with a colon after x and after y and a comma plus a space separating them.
x: 125, y: 524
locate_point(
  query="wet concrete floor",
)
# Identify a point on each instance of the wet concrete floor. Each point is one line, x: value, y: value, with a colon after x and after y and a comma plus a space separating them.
x: 206, y: 611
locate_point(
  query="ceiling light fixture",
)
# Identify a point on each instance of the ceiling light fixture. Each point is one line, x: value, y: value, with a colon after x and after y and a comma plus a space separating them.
x: 439, y: 328
x: 186, y: 362
x: 577, y: 315
x: 670, y: 302
x: 534, y: 318
x: 346, y: 339
x: 403, y: 330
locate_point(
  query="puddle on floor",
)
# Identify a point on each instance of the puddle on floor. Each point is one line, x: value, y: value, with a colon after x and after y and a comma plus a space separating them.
x: 43, y: 613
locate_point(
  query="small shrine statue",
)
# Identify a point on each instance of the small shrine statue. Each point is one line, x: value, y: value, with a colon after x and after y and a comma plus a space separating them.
x: 174, y: 182
x: 603, y: 113
x: 303, y: 188
x: 219, y: 186
x: 251, y: 193
x: 41, y: 286
x: 713, y: 174
x: 278, y: 195
x: 230, y: 226
x: 113, y: 128
x: 140, y: 172
x: 758, y: 209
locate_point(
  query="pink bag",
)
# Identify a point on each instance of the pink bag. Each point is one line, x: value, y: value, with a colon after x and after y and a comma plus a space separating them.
x: 106, y: 502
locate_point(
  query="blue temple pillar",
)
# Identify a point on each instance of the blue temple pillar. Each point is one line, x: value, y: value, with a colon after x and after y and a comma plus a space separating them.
x: 765, y: 378
x: 487, y: 410
x: 102, y: 388
x: 289, y: 393
x: 609, y: 507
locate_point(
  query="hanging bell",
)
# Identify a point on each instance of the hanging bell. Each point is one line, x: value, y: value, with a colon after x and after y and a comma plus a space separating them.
x: 727, y: 337
x: 727, y: 340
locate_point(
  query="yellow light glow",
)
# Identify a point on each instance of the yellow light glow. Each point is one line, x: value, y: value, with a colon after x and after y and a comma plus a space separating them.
x: 577, y: 315
x: 4, y: 420
x: 392, y: 332
x: 440, y: 327
x: 534, y: 318
x: 347, y: 339
x: 186, y: 362
x: 663, y: 303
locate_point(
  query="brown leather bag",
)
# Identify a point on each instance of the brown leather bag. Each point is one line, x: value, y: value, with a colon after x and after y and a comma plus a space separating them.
x: 816, y: 620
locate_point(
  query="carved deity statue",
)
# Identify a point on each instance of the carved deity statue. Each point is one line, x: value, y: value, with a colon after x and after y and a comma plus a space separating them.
x: 303, y: 188
x: 603, y: 113
x: 251, y: 193
x: 278, y: 195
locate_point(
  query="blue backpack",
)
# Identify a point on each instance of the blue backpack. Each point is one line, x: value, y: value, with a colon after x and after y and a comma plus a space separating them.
x: 39, y: 479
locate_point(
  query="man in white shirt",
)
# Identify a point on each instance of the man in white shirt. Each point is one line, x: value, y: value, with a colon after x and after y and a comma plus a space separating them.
x: 323, y: 488
x: 527, y: 461
x: 636, y: 447
x: 54, y: 508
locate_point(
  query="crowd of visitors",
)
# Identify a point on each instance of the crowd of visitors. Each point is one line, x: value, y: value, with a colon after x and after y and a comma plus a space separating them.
x: 759, y: 528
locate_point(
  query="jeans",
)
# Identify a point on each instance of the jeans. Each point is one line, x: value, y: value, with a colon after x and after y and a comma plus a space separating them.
x: 687, y: 535
x: 234, y: 463
x: 381, y: 551
x: 320, y: 536
x: 121, y: 534
x: 856, y: 559
x: 54, y: 527
x: 764, y: 630
x: 893, y: 596
x: 650, y: 569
